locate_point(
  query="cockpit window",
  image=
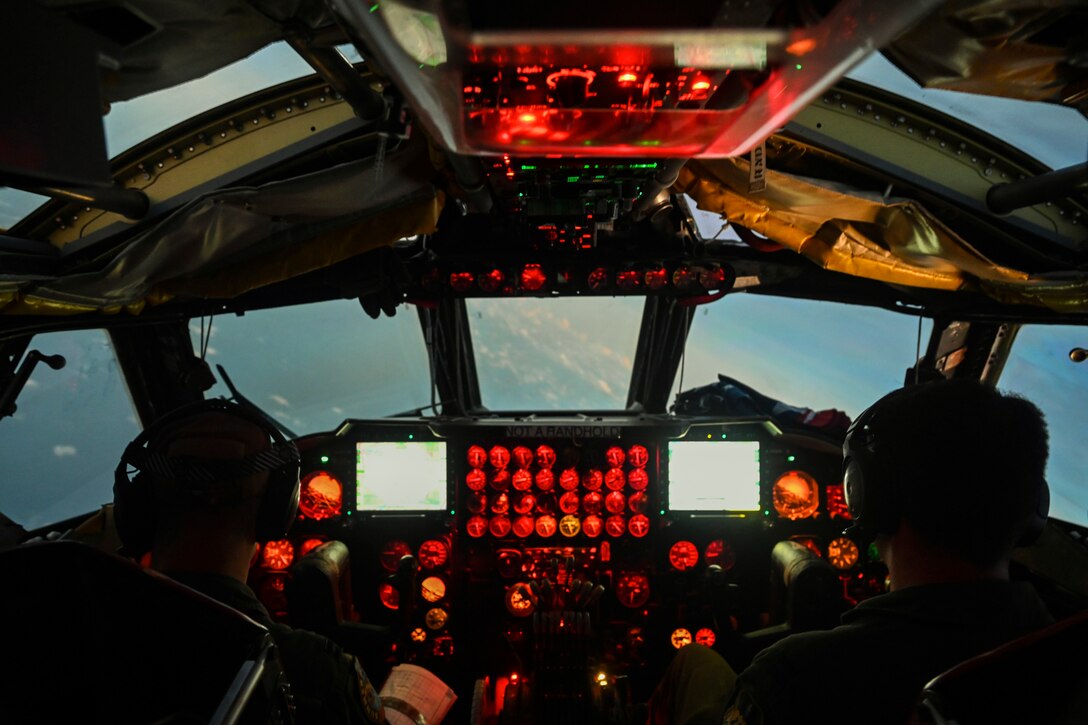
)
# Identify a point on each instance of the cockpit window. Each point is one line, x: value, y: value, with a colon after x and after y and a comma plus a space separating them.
x: 555, y: 354
x: 313, y: 366
x: 61, y: 447
x: 807, y: 354
x: 1040, y: 369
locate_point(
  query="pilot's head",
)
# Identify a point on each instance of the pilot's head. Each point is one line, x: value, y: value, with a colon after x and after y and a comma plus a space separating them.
x: 213, y: 469
x: 959, y: 462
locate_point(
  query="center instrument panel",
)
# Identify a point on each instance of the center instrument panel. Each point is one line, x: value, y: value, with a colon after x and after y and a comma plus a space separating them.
x: 475, y: 540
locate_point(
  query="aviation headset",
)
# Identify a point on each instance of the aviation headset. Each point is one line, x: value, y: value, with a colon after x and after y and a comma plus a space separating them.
x: 134, y: 501
x: 875, y: 489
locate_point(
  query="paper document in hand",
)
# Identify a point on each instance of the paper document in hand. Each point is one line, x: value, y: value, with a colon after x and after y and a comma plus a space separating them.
x: 415, y: 696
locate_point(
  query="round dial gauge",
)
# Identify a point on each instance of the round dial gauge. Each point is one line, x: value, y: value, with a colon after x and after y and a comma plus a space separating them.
x: 680, y: 638
x: 321, y: 496
x: 569, y: 526
x: 638, y: 456
x: 388, y: 595
x: 638, y: 502
x: 499, y: 526
x: 720, y: 553
x: 796, y: 495
x: 476, y: 502
x: 277, y: 555
x: 545, y: 479
x: 433, y: 553
x: 592, y: 526
x: 593, y: 479
x: 545, y: 456
x: 392, y: 552
x: 546, y: 503
x: 520, y: 600
x: 477, y: 456
x: 436, y: 618
x: 500, y: 480
x: 639, y: 525
x: 592, y: 502
x: 615, y: 502
x: 705, y: 637
x: 568, y: 479
x: 309, y: 545
x: 500, y: 504
x: 842, y: 553
x: 521, y: 480
x: 524, y: 504
x: 523, y: 457
x: 418, y: 634
x: 546, y: 525
x: 615, y: 526
x: 568, y: 502
x: 615, y: 479
x: 476, y: 479
x: 432, y: 589
x: 524, y: 526
x: 615, y: 456
x: 476, y: 526
x: 633, y: 588
x: 499, y: 457
x: 638, y: 479
x: 683, y: 555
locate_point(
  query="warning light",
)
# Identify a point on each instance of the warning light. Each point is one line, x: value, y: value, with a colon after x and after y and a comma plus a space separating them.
x: 533, y: 278
x: 700, y: 84
x: 491, y: 281
x: 462, y: 281
x: 321, y: 496
x: 527, y: 118
x: 278, y: 555
x: 627, y: 77
x: 598, y: 279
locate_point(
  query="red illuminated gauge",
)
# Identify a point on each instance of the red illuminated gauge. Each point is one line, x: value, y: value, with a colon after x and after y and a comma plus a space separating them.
x: 500, y: 504
x: 476, y: 479
x: 432, y: 589
x: 436, y: 618
x: 524, y: 526
x: 476, y: 526
x: 706, y: 637
x: 418, y: 635
x: 462, y: 281
x: 520, y: 600
x: 508, y: 562
x: 569, y: 526
x: 392, y: 553
x: 309, y: 545
x: 628, y: 279
x: 477, y: 456
x: 389, y: 596
x: 545, y: 525
x: 598, y: 279
x: 521, y: 480
x: 491, y: 281
x: 683, y: 277
x: 836, y: 502
x: 712, y: 278
x: 568, y: 502
x: 683, y: 555
x: 524, y: 504
x: 615, y: 525
x: 633, y: 589
x: 593, y: 479
x: 796, y: 495
x: 615, y: 479
x: 499, y: 457
x: 277, y: 555
x: 533, y: 278
x: 321, y: 496
x: 638, y: 479
x: 680, y: 638
x: 615, y: 456
x: 476, y: 502
x: 592, y: 526
x: 433, y: 553
x: 545, y: 503
x: 568, y: 479
x: 523, y: 457
x: 545, y: 479
x: 545, y: 456
x: 719, y: 553
x: 656, y: 278
x: 592, y: 502
x: 638, y: 456
x: 638, y: 502
x: 639, y: 525
x: 842, y: 553
x: 615, y: 502
x: 499, y: 526
x: 500, y: 480
x: 273, y: 593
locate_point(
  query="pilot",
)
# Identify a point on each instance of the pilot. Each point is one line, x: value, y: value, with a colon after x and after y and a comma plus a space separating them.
x: 947, y: 478
x: 212, y: 479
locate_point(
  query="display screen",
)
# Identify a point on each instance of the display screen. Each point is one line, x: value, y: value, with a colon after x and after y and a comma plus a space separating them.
x: 714, y: 475
x: 400, y: 476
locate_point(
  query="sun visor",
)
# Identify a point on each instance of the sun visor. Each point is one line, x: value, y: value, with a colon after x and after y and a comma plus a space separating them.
x: 897, y: 242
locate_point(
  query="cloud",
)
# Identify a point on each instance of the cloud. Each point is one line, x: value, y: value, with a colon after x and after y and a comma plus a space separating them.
x: 60, y: 451
x: 279, y: 400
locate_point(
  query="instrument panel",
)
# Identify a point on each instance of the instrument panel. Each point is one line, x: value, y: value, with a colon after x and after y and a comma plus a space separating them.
x: 476, y: 540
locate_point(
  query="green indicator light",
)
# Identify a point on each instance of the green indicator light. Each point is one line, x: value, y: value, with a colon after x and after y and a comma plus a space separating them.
x: 411, y: 436
x: 374, y: 8
x: 724, y: 436
x: 452, y: 512
x: 648, y: 142
x: 766, y: 512
x: 588, y: 142
x: 586, y: 166
x: 528, y: 167
x: 791, y: 459
x: 324, y: 459
x: 349, y: 513
x: 573, y: 179
x: 798, y: 66
x: 662, y: 512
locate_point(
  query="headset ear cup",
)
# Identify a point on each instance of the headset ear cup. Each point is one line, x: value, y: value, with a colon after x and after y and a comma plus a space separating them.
x: 279, y: 506
x: 133, y: 512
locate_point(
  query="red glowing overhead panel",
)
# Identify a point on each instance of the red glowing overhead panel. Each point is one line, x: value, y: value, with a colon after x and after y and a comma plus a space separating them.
x: 710, y: 92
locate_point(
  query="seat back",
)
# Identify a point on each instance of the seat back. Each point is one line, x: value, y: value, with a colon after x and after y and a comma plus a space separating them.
x: 1041, y: 678
x: 91, y: 637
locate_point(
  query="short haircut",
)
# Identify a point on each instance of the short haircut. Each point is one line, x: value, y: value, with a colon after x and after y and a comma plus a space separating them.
x: 970, y: 464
